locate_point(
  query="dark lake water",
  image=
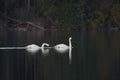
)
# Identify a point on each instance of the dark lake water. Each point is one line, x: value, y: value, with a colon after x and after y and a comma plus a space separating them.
x: 95, y: 56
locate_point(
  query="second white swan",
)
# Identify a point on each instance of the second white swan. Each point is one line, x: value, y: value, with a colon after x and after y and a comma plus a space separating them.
x: 61, y: 48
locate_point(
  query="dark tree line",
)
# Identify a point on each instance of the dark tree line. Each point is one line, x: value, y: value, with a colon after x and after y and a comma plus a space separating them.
x: 69, y: 13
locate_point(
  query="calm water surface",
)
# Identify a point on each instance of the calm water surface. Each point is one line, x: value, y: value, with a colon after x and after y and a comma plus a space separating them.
x: 95, y: 56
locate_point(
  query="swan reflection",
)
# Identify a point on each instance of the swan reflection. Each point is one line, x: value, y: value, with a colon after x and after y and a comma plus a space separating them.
x: 45, y: 50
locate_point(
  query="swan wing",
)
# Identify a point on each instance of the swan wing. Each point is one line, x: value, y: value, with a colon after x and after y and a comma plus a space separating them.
x: 61, y: 48
x: 32, y: 48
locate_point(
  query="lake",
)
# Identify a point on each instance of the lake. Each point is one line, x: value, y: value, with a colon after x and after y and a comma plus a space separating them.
x: 95, y: 56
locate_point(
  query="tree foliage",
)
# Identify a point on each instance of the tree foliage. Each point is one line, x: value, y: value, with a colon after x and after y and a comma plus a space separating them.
x: 71, y: 13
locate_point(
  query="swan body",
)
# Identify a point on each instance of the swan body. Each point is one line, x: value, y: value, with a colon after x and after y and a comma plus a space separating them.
x: 33, y: 48
x: 61, y: 48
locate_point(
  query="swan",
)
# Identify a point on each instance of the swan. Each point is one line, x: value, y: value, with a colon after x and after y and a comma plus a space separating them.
x: 33, y: 48
x: 61, y: 48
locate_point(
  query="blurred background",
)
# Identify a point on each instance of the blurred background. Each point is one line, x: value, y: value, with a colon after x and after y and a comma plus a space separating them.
x: 73, y: 14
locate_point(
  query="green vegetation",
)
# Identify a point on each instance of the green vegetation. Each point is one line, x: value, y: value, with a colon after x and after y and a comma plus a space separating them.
x: 76, y: 14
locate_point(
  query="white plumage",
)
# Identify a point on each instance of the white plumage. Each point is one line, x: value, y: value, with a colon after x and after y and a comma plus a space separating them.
x: 61, y: 48
x: 33, y: 48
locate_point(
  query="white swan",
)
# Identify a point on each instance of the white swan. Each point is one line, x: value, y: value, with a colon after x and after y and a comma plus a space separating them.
x: 61, y: 48
x: 33, y: 48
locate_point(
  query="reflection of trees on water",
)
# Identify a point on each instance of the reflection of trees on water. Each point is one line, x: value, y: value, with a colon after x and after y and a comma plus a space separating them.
x: 21, y: 38
x: 96, y: 55
x: 107, y: 47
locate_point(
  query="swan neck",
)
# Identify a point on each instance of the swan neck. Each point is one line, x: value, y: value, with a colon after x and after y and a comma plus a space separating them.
x: 70, y: 50
x: 70, y: 44
x: 44, y: 44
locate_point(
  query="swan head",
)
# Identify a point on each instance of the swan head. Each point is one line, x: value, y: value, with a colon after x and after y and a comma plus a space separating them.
x: 45, y: 44
x: 70, y: 38
x: 33, y: 48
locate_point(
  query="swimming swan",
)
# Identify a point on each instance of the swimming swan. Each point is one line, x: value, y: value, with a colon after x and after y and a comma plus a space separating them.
x: 61, y: 48
x: 33, y: 48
